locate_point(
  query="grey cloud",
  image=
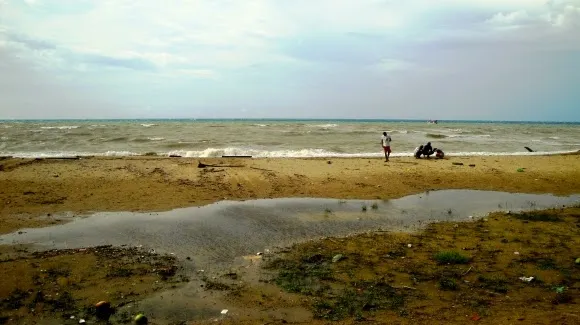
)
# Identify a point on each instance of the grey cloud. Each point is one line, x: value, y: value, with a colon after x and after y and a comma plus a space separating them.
x: 76, y: 57
x: 29, y: 42
x: 116, y: 62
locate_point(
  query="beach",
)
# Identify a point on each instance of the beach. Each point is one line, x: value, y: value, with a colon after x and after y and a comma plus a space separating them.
x: 34, y: 191
x: 39, y: 192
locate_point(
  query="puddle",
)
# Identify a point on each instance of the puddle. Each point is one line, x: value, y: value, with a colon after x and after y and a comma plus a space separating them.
x: 218, y: 236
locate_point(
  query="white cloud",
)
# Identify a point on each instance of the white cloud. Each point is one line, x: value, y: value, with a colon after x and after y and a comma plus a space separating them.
x: 287, y: 49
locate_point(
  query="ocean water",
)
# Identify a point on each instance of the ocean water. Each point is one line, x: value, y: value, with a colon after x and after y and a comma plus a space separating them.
x: 279, y: 138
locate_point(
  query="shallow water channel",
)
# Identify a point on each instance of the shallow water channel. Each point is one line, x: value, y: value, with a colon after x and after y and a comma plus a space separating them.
x: 218, y: 233
x: 215, y: 237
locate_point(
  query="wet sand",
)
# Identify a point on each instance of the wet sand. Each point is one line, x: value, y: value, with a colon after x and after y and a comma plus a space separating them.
x: 33, y: 191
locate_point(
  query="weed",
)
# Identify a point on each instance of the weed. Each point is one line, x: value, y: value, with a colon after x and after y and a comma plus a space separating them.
x: 216, y: 285
x: 327, y: 211
x: 546, y: 264
x: 368, y: 296
x: 54, y: 273
x: 449, y: 211
x: 64, y: 302
x: 562, y: 298
x: 448, y: 284
x: 304, y: 276
x: 15, y: 300
x: 537, y: 216
x: 496, y: 283
x: 451, y: 257
x: 375, y: 206
x: 364, y: 208
x: 120, y: 272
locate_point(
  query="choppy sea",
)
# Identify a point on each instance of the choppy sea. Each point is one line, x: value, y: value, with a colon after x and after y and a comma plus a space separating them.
x: 279, y: 138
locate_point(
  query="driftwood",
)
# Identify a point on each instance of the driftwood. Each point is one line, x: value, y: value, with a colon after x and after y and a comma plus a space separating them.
x: 528, y: 149
x: 65, y: 158
x: 202, y: 165
x: 457, y: 163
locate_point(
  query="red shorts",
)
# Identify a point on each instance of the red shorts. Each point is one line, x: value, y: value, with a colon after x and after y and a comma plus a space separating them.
x: 387, y: 149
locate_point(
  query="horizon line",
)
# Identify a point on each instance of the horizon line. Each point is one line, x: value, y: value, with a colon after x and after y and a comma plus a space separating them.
x: 277, y: 119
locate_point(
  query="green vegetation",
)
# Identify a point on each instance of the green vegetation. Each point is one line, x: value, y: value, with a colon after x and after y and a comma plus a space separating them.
x: 538, y: 216
x: 451, y: 257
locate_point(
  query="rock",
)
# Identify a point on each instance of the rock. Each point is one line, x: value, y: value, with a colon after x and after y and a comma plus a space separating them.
x: 577, y: 261
x: 457, y: 164
x: 409, y: 245
x: 224, y: 311
x: 337, y: 258
x: 103, y: 310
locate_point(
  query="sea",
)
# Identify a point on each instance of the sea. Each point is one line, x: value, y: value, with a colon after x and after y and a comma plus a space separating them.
x: 280, y: 138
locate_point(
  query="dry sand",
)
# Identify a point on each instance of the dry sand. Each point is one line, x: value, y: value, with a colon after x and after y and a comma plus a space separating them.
x: 33, y: 190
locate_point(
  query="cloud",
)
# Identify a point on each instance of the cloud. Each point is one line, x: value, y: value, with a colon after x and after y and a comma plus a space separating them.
x: 305, y: 56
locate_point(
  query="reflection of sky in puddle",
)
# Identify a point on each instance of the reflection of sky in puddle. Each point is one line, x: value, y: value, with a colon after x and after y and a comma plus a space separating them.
x: 219, y: 235
x: 220, y: 232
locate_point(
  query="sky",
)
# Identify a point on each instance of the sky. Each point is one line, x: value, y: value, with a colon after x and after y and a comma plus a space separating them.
x: 415, y: 59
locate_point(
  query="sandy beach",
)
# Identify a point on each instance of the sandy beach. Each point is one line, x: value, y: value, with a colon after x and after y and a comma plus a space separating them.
x: 40, y: 192
x: 33, y: 190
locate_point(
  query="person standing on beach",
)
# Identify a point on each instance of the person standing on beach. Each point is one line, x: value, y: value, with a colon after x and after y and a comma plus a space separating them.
x: 386, y: 143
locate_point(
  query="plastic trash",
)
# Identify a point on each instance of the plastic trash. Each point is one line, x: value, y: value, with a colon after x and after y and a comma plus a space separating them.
x: 141, y: 319
x: 337, y: 258
x: 224, y: 311
x: 527, y: 279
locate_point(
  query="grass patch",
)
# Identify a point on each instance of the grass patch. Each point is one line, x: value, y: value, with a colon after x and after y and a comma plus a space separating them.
x: 216, y: 285
x: 496, y: 283
x: 538, y: 216
x: 304, y: 276
x: 450, y: 257
x: 364, y: 208
x: 375, y: 206
x: 448, y: 284
x: 366, y: 297
x: 120, y: 272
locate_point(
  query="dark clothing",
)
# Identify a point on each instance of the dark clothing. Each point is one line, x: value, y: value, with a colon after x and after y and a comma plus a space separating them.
x: 428, y: 150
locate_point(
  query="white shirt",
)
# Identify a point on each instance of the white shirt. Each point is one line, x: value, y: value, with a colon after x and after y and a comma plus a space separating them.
x: 386, y: 140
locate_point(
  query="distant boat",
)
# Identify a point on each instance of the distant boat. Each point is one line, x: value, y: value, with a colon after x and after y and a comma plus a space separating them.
x: 432, y: 121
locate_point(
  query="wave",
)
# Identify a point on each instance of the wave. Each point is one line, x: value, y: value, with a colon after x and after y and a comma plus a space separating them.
x: 435, y: 136
x: 322, y: 126
x: 301, y: 153
x: 155, y: 139
x: 64, y: 127
x: 148, y: 125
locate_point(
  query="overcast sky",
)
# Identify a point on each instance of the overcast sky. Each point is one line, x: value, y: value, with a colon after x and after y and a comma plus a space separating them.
x: 420, y: 59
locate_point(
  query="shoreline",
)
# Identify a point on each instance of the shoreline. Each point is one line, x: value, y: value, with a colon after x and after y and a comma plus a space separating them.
x: 331, y: 155
x: 32, y: 190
